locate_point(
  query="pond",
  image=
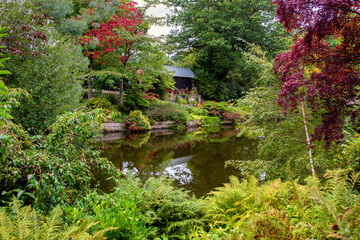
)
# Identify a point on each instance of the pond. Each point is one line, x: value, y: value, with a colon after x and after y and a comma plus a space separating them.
x: 195, y: 160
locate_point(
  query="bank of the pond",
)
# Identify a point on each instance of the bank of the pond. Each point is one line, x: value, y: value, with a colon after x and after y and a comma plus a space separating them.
x: 121, y: 127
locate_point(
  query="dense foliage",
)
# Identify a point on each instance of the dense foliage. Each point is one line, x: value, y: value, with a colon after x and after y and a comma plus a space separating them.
x: 27, y: 27
x: 56, y: 169
x: 218, y: 42
x: 53, y: 173
x: 4, y: 106
x: 49, y: 68
x: 53, y: 81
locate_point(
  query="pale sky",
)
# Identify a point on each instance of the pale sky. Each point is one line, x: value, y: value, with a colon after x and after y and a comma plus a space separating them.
x: 158, y: 11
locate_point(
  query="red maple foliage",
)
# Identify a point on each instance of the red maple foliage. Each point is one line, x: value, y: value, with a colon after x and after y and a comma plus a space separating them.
x: 119, y: 31
x: 322, y: 66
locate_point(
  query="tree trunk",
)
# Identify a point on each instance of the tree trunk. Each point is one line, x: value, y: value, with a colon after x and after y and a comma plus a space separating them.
x: 308, y: 138
x: 90, y: 95
x: 89, y: 88
x: 122, y: 92
x: 234, y: 64
x: 233, y: 76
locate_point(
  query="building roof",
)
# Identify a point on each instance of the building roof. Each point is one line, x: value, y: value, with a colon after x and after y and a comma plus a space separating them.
x: 181, y: 72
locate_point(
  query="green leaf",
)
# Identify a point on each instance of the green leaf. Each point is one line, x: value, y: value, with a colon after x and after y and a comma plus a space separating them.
x: 20, y: 192
x: 4, y: 59
x: 3, y: 72
x: 2, y: 86
x: 30, y: 195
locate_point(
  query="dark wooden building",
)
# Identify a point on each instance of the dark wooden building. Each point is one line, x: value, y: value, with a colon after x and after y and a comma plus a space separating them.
x: 182, y: 77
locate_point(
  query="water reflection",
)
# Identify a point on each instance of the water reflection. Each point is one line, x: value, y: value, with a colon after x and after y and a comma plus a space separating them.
x: 195, y: 160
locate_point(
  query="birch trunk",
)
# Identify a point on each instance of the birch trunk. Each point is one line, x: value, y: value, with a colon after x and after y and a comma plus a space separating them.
x: 308, y: 138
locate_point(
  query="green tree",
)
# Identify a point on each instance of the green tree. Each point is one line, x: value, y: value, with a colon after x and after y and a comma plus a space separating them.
x: 145, y: 71
x: 217, y: 32
x: 53, y: 80
x: 46, y: 65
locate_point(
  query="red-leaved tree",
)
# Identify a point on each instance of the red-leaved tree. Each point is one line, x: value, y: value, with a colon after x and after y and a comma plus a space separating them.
x: 116, y: 35
x: 322, y: 68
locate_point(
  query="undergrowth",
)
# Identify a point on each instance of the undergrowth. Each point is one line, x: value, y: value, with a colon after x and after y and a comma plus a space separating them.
x: 287, y: 210
x: 141, y: 211
x: 22, y: 222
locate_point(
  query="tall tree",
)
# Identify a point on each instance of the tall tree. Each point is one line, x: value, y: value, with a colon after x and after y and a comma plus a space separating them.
x: 217, y: 32
x: 322, y: 66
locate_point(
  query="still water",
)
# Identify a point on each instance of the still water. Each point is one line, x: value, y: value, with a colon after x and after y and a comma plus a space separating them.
x: 194, y: 160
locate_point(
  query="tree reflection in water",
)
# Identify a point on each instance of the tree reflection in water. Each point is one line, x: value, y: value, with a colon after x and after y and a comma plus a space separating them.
x: 195, y: 160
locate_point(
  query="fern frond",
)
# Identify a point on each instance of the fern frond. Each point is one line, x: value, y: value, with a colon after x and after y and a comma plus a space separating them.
x: 79, y: 232
x: 22, y: 220
x: 354, y: 180
x: 36, y: 223
x: 336, y: 179
x: 5, y: 226
x: 52, y: 226
x: 100, y: 234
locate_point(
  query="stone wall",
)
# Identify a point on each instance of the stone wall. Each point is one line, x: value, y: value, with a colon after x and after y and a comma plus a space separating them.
x: 121, y: 127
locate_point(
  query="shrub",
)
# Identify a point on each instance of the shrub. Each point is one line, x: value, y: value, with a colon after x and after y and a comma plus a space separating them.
x: 183, y: 101
x: 56, y: 169
x: 196, y: 110
x: 166, y: 111
x: 350, y: 155
x: 114, y: 99
x: 115, y: 116
x: 118, y: 209
x: 136, y: 122
x: 210, y: 121
x: 223, y: 110
x: 216, y: 108
x: 99, y: 102
x: 177, y: 100
x: 135, y: 101
x: 233, y: 116
x: 152, y: 97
